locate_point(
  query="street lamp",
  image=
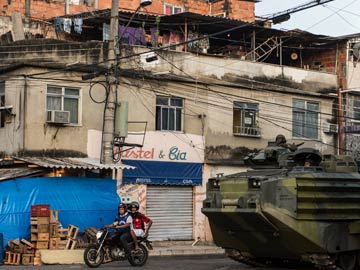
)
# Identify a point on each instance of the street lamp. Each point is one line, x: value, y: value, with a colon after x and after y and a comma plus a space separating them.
x: 144, y: 3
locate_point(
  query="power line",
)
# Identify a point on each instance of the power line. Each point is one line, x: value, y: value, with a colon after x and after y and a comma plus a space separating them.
x: 342, y: 17
x: 332, y: 105
x: 199, y: 38
x: 261, y: 117
x: 221, y: 93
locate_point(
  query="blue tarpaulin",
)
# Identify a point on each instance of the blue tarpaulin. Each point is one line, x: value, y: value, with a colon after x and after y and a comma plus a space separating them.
x: 163, y: 173
x: 82, y: 202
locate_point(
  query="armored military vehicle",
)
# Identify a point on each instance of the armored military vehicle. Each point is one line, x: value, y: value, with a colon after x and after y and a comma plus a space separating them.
x: 293, y: 206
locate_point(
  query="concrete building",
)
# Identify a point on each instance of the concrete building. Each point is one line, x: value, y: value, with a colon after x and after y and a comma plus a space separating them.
x: 349, y: 120
x: 205, y: 110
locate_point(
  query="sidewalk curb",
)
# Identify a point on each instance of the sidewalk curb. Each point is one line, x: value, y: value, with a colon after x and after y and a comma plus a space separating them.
x: 186, y: 250
x: 76, y: 256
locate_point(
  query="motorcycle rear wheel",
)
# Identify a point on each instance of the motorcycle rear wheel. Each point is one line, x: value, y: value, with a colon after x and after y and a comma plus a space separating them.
x: 91, y: 258
x: 140, y: 258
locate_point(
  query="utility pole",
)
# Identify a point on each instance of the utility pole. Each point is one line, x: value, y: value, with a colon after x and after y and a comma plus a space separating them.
x: 109, y: 116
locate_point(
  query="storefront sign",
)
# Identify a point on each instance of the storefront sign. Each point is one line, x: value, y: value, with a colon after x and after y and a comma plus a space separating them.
x: 158, y: 146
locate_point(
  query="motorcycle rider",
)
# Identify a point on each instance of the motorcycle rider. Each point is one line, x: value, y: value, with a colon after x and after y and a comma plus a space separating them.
x: 123, y: 223
x: 138, y: 223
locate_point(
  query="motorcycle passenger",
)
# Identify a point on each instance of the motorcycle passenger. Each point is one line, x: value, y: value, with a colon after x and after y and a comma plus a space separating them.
x: 123, y: 224
x: 139, y: 220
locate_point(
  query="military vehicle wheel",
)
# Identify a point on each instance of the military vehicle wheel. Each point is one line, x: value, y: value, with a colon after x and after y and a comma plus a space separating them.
x: 347, y: 260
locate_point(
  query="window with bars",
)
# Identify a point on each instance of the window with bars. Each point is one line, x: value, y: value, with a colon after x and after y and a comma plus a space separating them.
x: 2, y: 104
x: 305, y: 119
x: 59, y: 98
x: 169, y: 113
x: 245, y: 119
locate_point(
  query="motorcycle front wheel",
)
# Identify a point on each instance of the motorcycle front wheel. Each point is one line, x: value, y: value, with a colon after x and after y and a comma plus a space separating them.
x: 91, y: 258
x: 139, y: 258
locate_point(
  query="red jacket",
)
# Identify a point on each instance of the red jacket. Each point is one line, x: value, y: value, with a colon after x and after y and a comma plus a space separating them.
x: 139, y: 221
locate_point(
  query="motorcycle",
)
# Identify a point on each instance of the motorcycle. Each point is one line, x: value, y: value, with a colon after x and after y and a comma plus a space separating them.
x: 109, y: 248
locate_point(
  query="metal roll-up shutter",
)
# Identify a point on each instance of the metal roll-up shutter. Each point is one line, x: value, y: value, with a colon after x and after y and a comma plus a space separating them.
x: 171, y: 210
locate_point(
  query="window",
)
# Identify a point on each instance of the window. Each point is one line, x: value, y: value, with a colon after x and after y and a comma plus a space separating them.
x: 305, y: 119
x: 64, y: 99
x: 2, y: 104
x: 245, y: 122
x: 356, y: 109
x: 170, y: 9
x: 169, y: 113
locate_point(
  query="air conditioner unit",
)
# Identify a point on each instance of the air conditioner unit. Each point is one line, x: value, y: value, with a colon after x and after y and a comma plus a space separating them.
x: 58, y: 117
x: 330, y: 128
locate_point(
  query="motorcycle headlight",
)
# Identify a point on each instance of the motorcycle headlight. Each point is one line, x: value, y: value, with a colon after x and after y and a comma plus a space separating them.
x: 98, y: 235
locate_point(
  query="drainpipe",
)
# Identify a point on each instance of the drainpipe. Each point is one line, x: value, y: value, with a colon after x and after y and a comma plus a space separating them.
x: 67, y: 7
x: 24, y: 112
x: 336, y: 58
x: 186, y: 35
x: 253, y: 46
x: 281, y: 52
x: 27, y: 8
x: 339, y: 150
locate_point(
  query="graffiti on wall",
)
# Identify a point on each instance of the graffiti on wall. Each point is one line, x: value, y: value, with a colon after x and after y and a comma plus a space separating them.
x: 132, y: 192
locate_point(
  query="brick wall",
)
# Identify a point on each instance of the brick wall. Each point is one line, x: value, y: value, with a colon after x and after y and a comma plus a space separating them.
x: 327, y: 60
x: 42, y: 9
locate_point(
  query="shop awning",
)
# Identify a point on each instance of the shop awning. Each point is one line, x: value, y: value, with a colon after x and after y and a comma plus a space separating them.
x: 72, y: 163
x: 163, y: 173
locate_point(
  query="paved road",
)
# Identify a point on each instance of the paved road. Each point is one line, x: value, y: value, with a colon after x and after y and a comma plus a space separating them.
x: 214, y: 262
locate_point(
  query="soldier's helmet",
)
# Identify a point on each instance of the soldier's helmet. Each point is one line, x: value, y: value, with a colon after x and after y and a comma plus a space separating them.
x: 280, y: 139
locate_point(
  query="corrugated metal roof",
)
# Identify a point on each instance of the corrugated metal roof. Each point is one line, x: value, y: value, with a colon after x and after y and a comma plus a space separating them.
x: 72, y: 163
x: 12, y: 173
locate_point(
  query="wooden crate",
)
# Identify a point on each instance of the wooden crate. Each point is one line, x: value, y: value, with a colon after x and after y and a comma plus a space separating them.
x: 54, y: 243
x: 54, y: 230
x: 27, y: 259
x: 43, y: 228
x: 40, y: 210
x: 43, y: 236
x: 63, y: 232
x: 42, y: 244
x: 34, y: 237
x: 54, y: 216
x: 25, y: 242
x: 71, y: 244
x: 91, y: 232
x: 37, y: 261
x: 73, y: 232
x: 12, y: 258
x: 39, y: 220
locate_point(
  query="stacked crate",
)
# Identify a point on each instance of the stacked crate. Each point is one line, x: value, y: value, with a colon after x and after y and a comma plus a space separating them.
x: 19, y: 252
x: 40, y: 226
x: 54, y: 230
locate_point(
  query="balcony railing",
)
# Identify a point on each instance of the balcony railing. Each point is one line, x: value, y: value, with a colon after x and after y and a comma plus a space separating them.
x: 247, y: 131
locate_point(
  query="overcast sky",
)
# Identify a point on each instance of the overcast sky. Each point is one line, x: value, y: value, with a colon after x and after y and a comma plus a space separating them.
x: 336, y: 18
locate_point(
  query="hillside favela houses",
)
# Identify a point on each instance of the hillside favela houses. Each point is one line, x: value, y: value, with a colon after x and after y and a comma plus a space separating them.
x: 198, y: 99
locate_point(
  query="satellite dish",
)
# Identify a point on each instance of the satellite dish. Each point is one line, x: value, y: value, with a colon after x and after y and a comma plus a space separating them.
x: 356, y: 50
x: 294, y: 56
